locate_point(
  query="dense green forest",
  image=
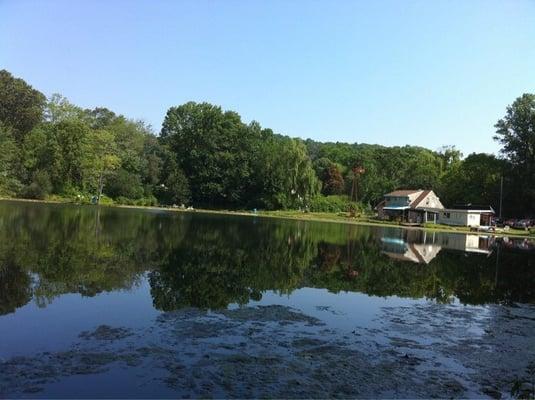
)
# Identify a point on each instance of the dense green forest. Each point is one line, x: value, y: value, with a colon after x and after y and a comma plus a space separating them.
x: 208, y: 157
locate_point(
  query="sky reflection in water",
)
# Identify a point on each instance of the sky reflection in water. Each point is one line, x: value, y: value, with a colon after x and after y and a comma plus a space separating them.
x: 66, y: 268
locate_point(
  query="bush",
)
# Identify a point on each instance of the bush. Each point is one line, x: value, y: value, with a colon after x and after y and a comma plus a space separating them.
x: 146, y: 201
x: 124, y: 185
x: 81, y: 198
x: 59, y: 198
x: 334, y: 204
x: 105, y: 200
x: 9, y: 186
x: 143, y: 202
x: 39, y: 187
x: 175, y: 190
x: 33, y: 191
x: 124, y: 200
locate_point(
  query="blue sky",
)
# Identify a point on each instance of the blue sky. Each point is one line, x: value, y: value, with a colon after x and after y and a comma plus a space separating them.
x: 426, y: 73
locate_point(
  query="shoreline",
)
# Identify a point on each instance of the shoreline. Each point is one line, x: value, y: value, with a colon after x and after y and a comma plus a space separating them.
x: 294, y: 215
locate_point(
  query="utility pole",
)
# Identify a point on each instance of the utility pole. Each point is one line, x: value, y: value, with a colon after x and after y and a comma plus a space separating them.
x: 100, y: 187
x: 357, y: 171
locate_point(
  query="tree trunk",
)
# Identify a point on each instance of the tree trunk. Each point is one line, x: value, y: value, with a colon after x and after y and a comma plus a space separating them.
x: 100, y: 187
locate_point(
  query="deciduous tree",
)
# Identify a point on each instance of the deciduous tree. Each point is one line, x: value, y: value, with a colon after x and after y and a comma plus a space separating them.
x: 516, y: 133
x: 21, y: 106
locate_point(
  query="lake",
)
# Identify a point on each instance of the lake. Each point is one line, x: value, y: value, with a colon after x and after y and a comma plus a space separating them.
x: 113, y: 302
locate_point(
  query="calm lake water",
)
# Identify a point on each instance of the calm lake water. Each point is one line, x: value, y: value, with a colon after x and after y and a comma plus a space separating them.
x: 106, y: 302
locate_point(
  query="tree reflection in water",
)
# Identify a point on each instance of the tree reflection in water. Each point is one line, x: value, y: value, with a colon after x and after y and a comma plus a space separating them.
x: 211, y: 261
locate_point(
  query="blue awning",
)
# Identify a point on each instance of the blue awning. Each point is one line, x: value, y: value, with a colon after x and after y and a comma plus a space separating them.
x: 400, y: 242
x: 396, y: 208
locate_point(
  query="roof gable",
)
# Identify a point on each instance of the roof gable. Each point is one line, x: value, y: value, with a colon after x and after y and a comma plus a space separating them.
x: 421, y: 198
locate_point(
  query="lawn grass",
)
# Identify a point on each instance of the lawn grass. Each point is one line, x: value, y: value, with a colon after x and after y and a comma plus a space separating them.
x: 341, y: 217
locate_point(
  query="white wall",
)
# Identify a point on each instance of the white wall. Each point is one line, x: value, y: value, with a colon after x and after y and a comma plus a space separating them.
x: 459, y: 218
x: 474, y: 219
x: 431, y: 201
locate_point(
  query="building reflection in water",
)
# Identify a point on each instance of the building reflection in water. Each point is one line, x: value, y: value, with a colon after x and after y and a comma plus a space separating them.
x: 422, y: 247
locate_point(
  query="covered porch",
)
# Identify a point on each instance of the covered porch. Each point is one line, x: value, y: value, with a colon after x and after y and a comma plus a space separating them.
x: 411, y: 215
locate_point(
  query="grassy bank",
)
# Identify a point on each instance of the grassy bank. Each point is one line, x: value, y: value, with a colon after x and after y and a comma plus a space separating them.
x: 301, y: 216
x: 370, y: 221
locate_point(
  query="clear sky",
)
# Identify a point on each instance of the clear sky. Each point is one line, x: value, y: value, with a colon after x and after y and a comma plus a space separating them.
x: 426, y: 73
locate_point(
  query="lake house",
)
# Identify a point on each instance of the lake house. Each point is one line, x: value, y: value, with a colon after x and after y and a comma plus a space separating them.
x: 415, y: 206
x: 421, y: 206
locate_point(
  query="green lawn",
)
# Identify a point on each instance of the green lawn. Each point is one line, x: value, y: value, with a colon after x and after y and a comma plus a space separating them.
x: 341, y: 217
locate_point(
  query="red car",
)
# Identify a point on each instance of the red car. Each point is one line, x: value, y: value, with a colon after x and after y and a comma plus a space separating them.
x: 509, y: 222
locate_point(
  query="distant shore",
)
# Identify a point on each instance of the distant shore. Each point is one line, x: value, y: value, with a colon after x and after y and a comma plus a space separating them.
x: 298, y: 216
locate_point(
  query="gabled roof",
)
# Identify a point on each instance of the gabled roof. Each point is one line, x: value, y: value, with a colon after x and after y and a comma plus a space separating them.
x: 420, y: 198
x: 403, y: 192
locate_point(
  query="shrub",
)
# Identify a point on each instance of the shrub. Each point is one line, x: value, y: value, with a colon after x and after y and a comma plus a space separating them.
x: 81, y: 198
x: 9, y: 186
x: 33, y: 191
x: 175, y: 190
x: 39, y: 187
x: 105, y: 200
x: 59, y: 198
x: 334, y: 204
x: 146, y: 201
x: 124, y: 200
x: 125, y: 185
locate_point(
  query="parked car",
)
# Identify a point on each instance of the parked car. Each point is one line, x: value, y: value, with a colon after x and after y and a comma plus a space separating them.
x: 498, y: 222
x: 522, y: 224
x: 509, y: 222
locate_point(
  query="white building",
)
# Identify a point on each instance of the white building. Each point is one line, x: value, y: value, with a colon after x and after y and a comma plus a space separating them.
x: 466, y: 215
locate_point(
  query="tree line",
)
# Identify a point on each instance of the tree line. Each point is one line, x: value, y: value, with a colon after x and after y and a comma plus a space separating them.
x: 209, y: 157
